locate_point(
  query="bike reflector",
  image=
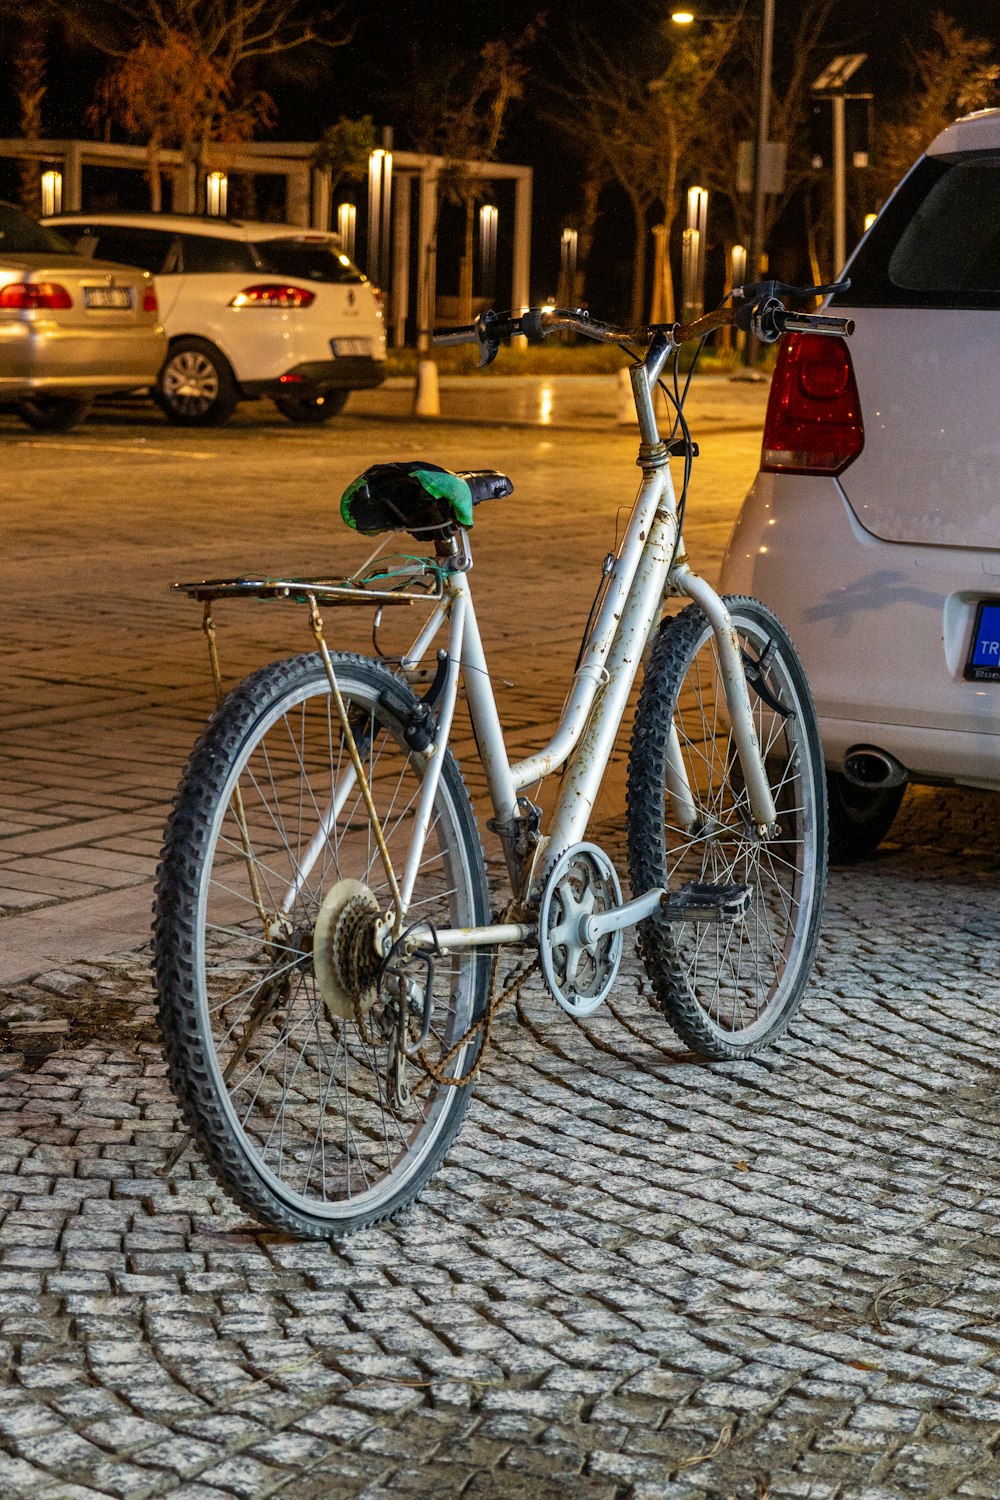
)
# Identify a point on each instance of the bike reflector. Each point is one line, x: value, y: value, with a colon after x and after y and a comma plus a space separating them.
x: 813, y: 423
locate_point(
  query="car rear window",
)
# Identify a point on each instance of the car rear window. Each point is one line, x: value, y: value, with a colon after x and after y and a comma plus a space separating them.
x: 20, y: 235
x: 310, y: 258
x: 937, y: 241
x: 202, y: 253
x: 148, y: 249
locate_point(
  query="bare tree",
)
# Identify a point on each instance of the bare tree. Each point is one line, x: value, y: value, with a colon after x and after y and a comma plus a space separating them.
x: 642, y: 119
x: 29, y: 88
x: 457, y: 109
x: 953, y: 74
x: 220, y: 36
x: 170, y: 94
x: 731, y: 119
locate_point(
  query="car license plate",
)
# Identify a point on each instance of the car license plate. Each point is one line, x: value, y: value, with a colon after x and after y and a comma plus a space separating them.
x: 983, y: 664
x: 107, y: 296
x: 346, y: 348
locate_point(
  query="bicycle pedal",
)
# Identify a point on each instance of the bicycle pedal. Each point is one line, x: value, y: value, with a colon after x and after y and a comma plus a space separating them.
x: 702, y: 901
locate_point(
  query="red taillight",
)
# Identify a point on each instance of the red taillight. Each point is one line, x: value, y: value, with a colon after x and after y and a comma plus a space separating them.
x: 379, y: 296
x: 29, y: 294
x: 149, y: 302
x: 813, y: 423
x: 269, y: 294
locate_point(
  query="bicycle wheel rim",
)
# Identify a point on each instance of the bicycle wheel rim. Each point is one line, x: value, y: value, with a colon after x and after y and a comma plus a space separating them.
x: 376, y: 1158
x: 736, y: 973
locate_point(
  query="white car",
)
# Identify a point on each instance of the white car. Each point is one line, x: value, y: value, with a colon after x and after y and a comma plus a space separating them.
x: 249, y: 309
x: 873, y: 527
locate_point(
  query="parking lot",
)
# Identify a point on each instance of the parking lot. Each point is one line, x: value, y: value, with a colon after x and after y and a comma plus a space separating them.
x: 638, y: 1275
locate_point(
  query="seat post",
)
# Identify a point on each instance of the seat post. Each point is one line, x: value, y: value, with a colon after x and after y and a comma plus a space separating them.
x: 454, y: 550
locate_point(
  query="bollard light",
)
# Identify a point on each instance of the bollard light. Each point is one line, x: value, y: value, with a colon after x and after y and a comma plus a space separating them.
x: 379, y: 204
x: 737, y: 265
x: 52, y: 183
x: 347, y: 227
x: 488, y: 248
x: 869, y: 221
x: 216, y: 194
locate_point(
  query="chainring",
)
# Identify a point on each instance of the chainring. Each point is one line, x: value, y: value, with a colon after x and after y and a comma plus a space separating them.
x: 579, y: 975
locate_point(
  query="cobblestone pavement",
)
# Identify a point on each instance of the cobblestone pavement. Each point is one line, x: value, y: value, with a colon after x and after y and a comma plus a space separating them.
x: 638, y: 1275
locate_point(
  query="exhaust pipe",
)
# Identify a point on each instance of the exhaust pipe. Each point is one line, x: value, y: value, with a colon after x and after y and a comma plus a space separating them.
x: 867, y: 766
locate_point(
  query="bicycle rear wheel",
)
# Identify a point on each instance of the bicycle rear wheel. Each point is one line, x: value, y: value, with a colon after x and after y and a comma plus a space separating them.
x: 728, y: 990
x: 282, y: 1074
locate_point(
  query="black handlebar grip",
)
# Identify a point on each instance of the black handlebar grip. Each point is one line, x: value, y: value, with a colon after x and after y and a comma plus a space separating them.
x: 531, y: 324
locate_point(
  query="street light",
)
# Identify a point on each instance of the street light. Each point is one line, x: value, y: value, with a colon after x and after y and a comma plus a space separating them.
x: 831, y: 85
x: 764, y: 64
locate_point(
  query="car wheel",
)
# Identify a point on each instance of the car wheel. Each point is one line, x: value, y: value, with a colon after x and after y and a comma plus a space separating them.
x: 196, y: 386
x: 52, y: 413
x: 860, y: 817
x: 312, y: 411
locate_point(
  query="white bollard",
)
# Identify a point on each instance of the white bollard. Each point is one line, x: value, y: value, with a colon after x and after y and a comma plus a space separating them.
x: 427, y: 398
x: 626, y: 401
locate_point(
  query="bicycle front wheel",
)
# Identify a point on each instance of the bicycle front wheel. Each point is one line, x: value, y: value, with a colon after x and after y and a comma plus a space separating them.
x: 281, y: 1064
x: 727, y: 989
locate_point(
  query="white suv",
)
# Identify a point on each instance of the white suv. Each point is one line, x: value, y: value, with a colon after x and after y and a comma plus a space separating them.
x: 249, y: 309
x: 873, y: 527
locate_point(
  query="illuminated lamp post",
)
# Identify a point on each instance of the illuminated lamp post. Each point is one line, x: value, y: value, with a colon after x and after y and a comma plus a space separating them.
x: 347, y: 227
x: 216, y: 193
x: 52, y: 186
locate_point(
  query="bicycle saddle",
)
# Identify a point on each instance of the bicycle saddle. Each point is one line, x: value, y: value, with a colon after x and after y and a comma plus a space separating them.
x: 418, y: 497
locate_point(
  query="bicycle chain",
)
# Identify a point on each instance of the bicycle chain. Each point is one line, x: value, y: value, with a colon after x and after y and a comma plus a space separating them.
x: 435, y: 1072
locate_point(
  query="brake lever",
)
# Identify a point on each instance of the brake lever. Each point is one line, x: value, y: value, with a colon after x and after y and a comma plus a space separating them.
x: 765, y: 289
x: 487, y: 337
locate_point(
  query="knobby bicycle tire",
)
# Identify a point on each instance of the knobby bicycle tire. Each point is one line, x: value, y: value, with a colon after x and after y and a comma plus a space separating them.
x: 300, y: 1130
x: 728, y: 990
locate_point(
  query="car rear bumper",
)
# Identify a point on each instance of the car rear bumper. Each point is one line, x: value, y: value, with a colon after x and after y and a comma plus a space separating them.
x: 44, y: 357
x: 883, y: 628
x: 315, y: 376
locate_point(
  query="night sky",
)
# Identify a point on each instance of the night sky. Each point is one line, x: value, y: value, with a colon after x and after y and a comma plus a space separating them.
x: 313, y: 90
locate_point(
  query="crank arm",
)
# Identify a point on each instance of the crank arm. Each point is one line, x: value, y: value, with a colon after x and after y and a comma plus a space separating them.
x: 697, y: 901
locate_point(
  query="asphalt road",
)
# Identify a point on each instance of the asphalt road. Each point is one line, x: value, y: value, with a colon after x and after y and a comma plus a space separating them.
x: 637, y: 1276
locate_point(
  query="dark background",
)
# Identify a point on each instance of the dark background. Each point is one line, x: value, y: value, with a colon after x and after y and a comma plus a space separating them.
x: 314, y: 86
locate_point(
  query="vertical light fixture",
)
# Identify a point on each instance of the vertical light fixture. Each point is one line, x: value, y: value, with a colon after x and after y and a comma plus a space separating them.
x: 869, y: 221
x: 568, y: 247
x: 697, y: 207
x: 52, y: 184
x: 690, y: 261
x: 737, y: 265
x: 216, y: 193
x: 347, y: 227
x: 488, y: 249
x: 379, y: 206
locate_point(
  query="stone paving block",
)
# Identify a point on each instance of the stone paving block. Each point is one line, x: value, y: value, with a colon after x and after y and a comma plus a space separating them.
x: 593, y: 1269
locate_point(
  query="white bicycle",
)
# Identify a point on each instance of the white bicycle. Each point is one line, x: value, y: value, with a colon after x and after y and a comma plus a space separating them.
x: 326, y: 956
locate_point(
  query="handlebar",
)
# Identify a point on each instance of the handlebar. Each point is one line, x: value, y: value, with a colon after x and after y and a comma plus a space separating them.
x: 758, y: 310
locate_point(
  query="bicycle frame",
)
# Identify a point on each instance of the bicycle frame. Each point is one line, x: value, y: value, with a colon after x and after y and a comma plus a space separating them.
x: 650, y: 565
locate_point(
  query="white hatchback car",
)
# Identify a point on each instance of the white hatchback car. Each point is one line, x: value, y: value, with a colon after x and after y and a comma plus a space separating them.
x: 873, y: 527
x: 249, y: 309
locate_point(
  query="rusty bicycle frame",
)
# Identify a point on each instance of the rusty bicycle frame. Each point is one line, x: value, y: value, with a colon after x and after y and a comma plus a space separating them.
x: 650, y: 565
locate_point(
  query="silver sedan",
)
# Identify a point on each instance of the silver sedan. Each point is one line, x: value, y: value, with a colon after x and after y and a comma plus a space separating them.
x: 70, y: 328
